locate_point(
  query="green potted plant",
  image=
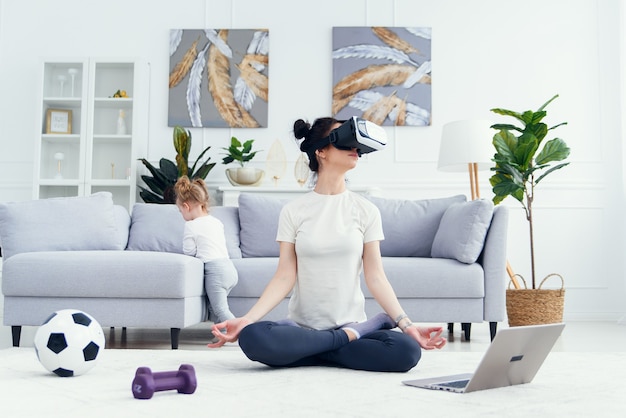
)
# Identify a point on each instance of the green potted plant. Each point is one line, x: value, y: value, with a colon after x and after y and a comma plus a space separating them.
x: 161, y: 183
x: 523, y: 159
x: 242, y: 153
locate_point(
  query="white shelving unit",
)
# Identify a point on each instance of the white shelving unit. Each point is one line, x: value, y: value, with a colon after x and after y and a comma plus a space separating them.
x: 92, y: 155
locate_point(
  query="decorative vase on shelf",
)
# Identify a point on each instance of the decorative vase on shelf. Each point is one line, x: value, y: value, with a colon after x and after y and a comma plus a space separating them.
x: 245, y: 176
x: 59, y: 156
x: 62, y: 78
x: 121, y: 123
x: 242, y: 154
x: 73, y: 72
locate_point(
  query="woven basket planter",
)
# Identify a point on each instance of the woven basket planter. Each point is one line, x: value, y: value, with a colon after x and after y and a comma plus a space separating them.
x: 535, y: 306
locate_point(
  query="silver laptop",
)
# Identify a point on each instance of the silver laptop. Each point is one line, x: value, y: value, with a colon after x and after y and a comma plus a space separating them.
x: 513, y: 357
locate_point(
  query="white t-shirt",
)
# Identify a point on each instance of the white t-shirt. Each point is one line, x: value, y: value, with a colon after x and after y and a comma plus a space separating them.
x: 204, y: 238
x: 329, y: 232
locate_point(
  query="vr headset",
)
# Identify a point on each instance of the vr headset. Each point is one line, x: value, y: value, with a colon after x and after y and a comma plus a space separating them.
x: 363, y: 135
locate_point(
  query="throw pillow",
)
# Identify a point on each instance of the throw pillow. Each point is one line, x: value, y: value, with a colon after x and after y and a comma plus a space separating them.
x: 156, y: 227
x: 410, y: 225
x: 462, y: 231
x: 59, y: 224
x: 258, y: 217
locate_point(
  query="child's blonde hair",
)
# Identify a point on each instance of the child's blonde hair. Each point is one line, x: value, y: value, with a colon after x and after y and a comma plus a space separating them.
x: 192, y: 191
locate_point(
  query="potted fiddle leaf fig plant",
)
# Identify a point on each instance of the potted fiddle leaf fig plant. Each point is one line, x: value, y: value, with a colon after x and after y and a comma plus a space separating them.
x: 160, y: 186
x: 242, y: 153
x: 523, y: 159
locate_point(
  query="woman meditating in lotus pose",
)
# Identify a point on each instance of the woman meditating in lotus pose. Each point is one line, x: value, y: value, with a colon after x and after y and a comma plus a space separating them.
x: 327, y: 237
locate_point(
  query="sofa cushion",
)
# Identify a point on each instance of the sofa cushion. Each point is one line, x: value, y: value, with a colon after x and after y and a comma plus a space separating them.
x: 59, y: 224
x: 258, y: 217
x: 122, y: 224
x: 462, y: 231
x: 103, y: 274
x: 410, y: 225
x: 229, y: 215
x: 254, y: 275
x: 156, y: 227
x: 437, y: 278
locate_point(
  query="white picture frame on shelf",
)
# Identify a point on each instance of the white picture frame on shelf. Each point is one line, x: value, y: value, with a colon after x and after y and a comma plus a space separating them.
x: 58, y: 121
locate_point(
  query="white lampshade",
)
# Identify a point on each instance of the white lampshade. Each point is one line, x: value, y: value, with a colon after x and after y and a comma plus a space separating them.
x: 466, y: 141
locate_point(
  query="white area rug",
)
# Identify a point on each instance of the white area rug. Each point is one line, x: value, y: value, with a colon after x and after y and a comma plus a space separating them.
x: 230, y: 385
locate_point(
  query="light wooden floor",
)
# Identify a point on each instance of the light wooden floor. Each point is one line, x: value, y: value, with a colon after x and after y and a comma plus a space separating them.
x: 577, y: 337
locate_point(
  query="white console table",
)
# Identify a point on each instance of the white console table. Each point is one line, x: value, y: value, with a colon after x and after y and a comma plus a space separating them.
x: 230, y: 194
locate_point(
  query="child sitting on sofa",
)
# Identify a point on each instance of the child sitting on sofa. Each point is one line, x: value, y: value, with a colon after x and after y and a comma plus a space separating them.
x: 204, y: 238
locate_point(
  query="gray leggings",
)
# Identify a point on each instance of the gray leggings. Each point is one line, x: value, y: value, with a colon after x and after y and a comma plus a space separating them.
x: 220, y: 276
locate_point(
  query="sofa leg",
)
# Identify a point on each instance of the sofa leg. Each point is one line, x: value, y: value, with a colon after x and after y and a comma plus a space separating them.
x: 450, y: 327
x: 493, y: 327
x: 16, y: 333
x: 175, y: 333
x: 467, y: 328
x: 113, y: 329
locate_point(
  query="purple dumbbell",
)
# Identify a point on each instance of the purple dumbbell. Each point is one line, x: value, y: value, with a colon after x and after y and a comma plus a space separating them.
x: 146, y: 382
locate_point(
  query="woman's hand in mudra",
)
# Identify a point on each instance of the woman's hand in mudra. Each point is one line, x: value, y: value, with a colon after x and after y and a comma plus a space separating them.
x: 428, y: 337
x: 228, y: 331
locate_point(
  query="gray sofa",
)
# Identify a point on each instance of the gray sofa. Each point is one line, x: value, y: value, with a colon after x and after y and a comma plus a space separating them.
x: 444, y: 257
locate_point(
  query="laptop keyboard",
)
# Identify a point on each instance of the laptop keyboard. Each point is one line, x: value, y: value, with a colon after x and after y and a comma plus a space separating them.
x: 455, y: 383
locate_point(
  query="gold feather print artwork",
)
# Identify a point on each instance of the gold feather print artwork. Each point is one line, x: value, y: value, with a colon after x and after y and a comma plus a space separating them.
x: 382, y: 74
x: 219, y: 78
x: 257, y: 82
x: 218, y: 74
x: 394, y: 41
x: 184, y: 65
x: 372, y: 76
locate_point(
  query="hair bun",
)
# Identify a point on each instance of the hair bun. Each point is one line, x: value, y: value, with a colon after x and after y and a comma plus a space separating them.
x: 301, y: 129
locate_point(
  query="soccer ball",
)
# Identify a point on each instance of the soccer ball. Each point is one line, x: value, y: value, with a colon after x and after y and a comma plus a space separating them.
x: 68, y: 342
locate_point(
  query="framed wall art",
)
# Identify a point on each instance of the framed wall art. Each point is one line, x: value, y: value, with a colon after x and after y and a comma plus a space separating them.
x: 58, y: 121
x: 218, y: 78
x: 382, y: 74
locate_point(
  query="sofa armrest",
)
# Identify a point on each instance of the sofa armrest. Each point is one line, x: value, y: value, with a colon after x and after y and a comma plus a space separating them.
x: 493, y: 260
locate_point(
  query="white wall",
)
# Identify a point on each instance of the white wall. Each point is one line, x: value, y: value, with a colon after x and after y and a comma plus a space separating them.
x: 486, y: 53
